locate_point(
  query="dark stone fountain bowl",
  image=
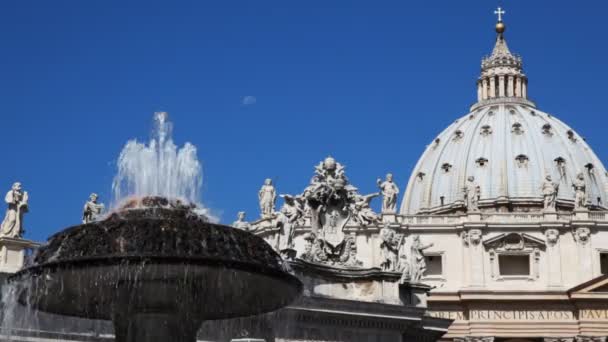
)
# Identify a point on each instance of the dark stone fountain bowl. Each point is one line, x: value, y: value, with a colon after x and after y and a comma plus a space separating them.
x: 157, y: 270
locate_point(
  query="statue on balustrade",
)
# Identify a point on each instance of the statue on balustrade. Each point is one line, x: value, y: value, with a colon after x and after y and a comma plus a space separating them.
x: 580, y: 192
x: 550, y: 190
x: 267, y: 197
x: 417, y: 260
x: 362, y: 211
x: 390, y: 191
x: 390, y: 246
x: 240, y: 222
x: 92, y: 210
x: 288, y: 218
x: 472, y: 194
x: 16, y: 199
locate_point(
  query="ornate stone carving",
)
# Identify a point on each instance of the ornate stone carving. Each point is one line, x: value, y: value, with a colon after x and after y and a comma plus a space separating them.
x: 240, y: 222
x: 389, y: 190
x: 472, y: 193
x: 417, y: 261
x: 580, y: 192
x: 331, y: 202
x: 471, y: 237
x: 590, y: 339
x: 16, y: 199
x: 390, y: 246
x: 552, y: 236
x: 267, y: 197
x: 582, y: 235
x: 550, y: 190
x: 508, y: 242
x: 92, y: 210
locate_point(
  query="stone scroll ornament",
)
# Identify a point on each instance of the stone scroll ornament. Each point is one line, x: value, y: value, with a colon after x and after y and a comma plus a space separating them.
x: 330, y: 202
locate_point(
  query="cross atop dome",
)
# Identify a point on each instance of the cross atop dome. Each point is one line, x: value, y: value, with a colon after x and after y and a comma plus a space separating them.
x: 500, y: 13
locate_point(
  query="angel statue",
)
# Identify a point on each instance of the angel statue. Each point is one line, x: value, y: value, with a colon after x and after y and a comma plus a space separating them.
x: 362, y: 211
x: 288, y: 218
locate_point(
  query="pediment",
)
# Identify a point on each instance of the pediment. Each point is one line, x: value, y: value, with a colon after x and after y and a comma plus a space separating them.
x: 596, y: 285
x: 514, y: 242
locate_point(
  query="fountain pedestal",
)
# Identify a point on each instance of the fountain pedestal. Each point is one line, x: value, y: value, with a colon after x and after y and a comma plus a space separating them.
x: 13, y: 253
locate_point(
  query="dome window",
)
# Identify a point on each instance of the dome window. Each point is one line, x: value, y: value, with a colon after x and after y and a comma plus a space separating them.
x: 561, y: 165
x: 486, y: 130
x: 472, y: 116
x: 571, y: 135
x: 512, y: 111
x: 533, y: 113
x: 481, y: 162
x: 589, y: 168
x: 522, y: 160
x: 446, y: 167
x: 458, y: 135
x: 517, y: 129
x: 420, y: 176
x: 490, y: 113
x: 547, y: 130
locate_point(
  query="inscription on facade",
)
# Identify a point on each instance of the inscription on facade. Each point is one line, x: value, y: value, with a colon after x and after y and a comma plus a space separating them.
x: 455, y: 315
x: 597, y: 314
x: 520, y: 315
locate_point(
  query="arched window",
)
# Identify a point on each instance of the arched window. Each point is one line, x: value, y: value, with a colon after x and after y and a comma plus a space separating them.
x: 481, y: 162
x: 446, y: 167
x: 522, y: 160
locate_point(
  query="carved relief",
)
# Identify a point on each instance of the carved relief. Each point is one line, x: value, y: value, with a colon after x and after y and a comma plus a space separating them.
x: 590, y: 339
x: 471, y: 237
x: 582, y: 235
x: 552, y: 236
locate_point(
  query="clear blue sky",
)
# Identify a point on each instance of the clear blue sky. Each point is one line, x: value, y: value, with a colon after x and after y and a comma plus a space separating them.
x: 369, y: 82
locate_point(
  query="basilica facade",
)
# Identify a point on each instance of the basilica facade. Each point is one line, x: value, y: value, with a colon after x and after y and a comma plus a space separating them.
x: 503, y: 217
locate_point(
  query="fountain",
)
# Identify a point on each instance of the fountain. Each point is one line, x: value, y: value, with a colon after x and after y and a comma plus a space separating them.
x: 155, y: 266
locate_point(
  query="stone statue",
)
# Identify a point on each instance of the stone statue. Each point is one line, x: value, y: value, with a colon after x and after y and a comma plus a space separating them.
x: 580, y: 192
x: 403, y: 267
x: 472, y: 193
x: 92, y: 210
x: 550, y: 190
x: 417, y: 261
x: 389, y: 192
x: 362, y: 211
x: 240, y: 222
x: 16, y: 198
x: 390, y: 246
x: 267, y: 197
x: 291, y: 212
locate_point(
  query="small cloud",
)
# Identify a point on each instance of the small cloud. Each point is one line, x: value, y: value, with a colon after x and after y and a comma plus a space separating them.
x: 249, y: 100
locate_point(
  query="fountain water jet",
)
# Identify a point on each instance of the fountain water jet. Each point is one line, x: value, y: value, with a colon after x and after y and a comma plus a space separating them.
x: 155, y: 266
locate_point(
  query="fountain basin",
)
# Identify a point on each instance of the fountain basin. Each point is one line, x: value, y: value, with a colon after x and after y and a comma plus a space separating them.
x: 157, y: 272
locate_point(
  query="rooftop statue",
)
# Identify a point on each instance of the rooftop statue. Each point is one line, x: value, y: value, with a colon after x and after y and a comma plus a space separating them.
x: 580, y: 192
x: 92, y: 210
x: 390, y: 191
x: 417, y: 260
x: 240, y: 222
x: 267, y: 197
x: 288, y: 218
x: 16, y: 198
x: 390, y: 247
x: 472, y: 193
x: 550, y: 190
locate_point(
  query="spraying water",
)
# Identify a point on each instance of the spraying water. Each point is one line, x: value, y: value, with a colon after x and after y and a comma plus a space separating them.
x: 158, y: 168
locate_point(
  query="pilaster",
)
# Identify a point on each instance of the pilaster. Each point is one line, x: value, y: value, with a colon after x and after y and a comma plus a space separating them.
x: 501, y: 86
